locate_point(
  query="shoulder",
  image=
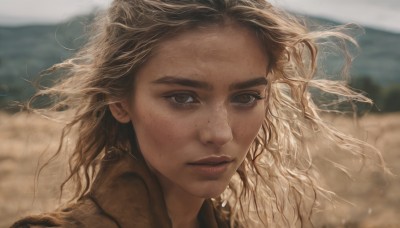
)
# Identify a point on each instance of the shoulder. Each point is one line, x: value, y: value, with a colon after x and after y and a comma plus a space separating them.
x: 84, y: 213
x: 44, y: 220
x: 124, y: 194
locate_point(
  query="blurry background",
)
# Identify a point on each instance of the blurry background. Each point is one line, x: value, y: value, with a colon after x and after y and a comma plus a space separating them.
x: 36, y: 34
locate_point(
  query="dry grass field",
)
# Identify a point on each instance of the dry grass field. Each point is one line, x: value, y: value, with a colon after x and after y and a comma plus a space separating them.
x: 369, y: 198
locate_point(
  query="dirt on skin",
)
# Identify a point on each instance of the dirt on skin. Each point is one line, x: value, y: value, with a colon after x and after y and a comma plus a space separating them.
x: 368, y: 198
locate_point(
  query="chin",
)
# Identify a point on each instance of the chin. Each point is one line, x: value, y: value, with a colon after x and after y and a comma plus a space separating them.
x: 210, y: 190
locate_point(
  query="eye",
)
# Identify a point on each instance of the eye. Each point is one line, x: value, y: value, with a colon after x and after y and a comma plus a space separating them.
x: 246, y: 99
x: 182, y: 99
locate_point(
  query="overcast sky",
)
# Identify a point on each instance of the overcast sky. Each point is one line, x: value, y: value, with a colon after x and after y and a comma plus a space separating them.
x: 383, y: 14
x: 17, y: 12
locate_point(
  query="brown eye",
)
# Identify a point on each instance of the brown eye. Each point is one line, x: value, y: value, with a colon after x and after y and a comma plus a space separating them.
x: 182, y: 98
x: 246, y: 99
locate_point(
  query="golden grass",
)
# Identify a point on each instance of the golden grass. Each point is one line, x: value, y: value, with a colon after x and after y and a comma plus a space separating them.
x: 375, y: 198
x: 23, y: 140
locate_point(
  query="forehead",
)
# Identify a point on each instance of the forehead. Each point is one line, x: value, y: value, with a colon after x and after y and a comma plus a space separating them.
x: 217, y: 50
x: 212, y: 39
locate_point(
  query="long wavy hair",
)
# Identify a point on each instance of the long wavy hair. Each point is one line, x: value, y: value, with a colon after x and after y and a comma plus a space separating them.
x: 276, y: 184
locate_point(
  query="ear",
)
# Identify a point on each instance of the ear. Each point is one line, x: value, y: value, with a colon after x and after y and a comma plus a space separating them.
x: 120, y: 112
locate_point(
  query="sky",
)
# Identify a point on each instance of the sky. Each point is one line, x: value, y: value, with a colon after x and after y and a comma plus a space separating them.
x: 381, y: 14
x: 21, y: 12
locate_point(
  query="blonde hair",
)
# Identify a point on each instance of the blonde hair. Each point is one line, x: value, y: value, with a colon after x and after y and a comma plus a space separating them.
x: 276, y: 182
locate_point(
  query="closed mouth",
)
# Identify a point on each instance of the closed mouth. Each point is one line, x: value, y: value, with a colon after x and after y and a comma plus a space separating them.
x: 212, y: 161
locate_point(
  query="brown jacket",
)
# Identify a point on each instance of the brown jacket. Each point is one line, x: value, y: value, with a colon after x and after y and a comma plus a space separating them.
x: 124, y: 194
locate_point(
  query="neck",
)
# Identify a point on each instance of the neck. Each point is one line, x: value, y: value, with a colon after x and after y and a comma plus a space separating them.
x: 183, y: 208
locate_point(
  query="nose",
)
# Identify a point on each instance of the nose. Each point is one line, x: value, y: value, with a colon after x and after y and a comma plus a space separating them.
x: 217, y: 130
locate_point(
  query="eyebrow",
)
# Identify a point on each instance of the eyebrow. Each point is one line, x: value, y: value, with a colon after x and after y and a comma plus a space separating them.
x: 249, y: 83
x: 177, y: 80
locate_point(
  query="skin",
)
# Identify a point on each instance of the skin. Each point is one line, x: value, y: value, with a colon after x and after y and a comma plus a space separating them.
x: 201, y: 95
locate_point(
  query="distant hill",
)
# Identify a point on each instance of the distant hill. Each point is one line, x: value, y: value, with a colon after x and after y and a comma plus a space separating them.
x: 379, y: 55
x: 27, y: 50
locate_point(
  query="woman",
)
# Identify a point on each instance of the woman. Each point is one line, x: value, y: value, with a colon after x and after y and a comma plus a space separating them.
x: 198, y: 111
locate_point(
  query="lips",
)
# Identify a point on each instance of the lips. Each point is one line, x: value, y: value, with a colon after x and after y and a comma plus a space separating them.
x: 211, y: 168
x: 213, y: 161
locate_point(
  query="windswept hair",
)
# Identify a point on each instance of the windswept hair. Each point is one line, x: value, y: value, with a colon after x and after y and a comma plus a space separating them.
x: 276, y: 184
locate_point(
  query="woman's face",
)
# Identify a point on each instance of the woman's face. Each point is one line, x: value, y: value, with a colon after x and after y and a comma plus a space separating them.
x: 197, y: 106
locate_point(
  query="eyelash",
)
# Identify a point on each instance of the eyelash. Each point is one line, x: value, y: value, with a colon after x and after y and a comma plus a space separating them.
x: 172, y: 98
x: 254, y: 97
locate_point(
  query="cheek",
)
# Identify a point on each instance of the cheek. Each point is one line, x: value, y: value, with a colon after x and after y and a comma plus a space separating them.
x: 248, y: 127
x: 158, y: 132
